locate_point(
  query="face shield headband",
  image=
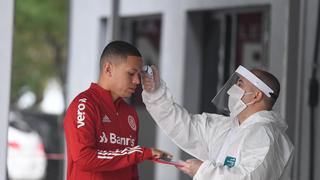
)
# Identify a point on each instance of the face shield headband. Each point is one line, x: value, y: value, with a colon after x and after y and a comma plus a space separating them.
x: 220, y: 101
x: 254, y: 80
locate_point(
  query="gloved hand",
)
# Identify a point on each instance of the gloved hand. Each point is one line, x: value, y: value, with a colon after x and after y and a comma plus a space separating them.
x: 151, y: 84
x: 190, y: 167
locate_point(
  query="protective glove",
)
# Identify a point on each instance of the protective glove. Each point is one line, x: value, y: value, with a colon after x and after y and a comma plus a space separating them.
x: 151, y: 82
x: 190, y: 167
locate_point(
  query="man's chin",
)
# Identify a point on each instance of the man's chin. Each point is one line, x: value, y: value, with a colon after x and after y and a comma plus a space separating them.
x: 128, y: 95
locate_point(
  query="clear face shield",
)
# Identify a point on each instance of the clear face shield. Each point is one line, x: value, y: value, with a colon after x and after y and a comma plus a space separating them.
x: 228, y: 100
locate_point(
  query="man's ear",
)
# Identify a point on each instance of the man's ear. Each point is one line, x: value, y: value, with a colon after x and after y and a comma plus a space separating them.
x: 258, y: 96
x: 107, y: 69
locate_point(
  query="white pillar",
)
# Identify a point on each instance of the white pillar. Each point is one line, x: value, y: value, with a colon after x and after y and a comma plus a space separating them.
x: 113, y: 27
x: 172, y: 71
x: 83, y: 61
x: 278, y: 47
x: 6, y: 32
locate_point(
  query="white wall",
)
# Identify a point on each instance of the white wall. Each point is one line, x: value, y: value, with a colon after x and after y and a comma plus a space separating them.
x: 6, y: 33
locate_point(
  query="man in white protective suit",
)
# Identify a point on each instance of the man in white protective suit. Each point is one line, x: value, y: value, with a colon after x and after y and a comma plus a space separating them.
x: 248, y: 142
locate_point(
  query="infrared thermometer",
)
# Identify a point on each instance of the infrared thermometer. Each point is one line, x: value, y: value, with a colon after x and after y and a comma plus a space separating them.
x: 148, y: 70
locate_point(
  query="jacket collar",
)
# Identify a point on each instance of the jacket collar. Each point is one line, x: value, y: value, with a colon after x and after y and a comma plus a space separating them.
x: 266, y: 117
x: 106, y: 95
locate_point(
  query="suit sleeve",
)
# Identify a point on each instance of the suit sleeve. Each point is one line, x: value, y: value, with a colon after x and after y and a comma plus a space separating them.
x: 188, y: 131
x: 80, y: 136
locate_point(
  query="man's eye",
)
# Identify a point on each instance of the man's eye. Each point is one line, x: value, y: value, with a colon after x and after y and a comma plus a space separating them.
x: 131, y: 74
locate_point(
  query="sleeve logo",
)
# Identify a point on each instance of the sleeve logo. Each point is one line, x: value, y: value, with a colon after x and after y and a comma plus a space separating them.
x: 132, y: 123
x: 229, y: 161
x: 80, y: 113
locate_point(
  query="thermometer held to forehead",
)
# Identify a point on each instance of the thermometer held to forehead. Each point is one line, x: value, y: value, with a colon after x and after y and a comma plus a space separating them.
x: 148, y: 70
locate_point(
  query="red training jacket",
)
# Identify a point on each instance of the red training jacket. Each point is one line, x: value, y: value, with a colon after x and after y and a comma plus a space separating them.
x: 102, y: 138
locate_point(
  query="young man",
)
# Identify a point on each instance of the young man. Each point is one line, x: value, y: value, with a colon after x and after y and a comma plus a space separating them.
x: 101, y: 129
x: 248, y: 144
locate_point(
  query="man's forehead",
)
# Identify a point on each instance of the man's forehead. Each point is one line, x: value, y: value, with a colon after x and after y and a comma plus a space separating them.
x: 128, y: 58
x: 133, y: 62
x: 244, y: 81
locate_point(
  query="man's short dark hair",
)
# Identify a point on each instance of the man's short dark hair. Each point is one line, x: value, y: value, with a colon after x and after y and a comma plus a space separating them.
x: 271, y: 81
x: 120, y: 49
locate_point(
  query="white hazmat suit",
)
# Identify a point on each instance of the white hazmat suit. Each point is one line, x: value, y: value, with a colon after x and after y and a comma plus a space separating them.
x: 258, y: 149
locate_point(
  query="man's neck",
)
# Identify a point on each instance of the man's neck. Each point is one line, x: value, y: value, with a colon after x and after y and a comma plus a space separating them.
x: 244, y: 115
x: 104, y: 85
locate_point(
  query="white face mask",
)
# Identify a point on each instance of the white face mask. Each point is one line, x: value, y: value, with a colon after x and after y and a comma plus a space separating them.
x: 235, y: 104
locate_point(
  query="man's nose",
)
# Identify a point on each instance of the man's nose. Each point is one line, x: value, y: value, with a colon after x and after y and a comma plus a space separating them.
x: 136, y: 79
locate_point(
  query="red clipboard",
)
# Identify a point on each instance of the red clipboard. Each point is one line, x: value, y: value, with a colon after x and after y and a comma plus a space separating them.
x: 168, y: 162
